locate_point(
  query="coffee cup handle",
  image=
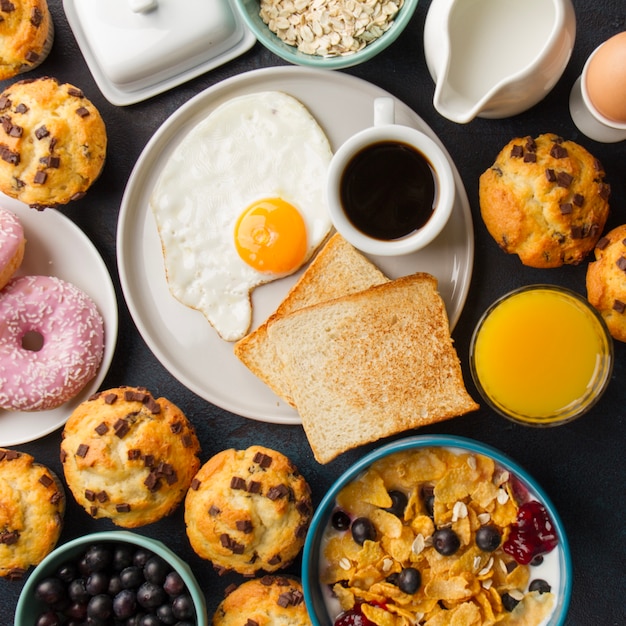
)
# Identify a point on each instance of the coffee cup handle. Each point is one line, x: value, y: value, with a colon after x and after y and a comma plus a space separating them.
x: 384, y: 111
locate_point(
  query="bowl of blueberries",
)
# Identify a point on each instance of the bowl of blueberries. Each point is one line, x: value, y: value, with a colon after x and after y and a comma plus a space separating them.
x: 436, y: 529
x: 112, y: 577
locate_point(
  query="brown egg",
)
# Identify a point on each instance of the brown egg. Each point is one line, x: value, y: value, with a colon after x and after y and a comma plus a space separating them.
x: 606, y: 78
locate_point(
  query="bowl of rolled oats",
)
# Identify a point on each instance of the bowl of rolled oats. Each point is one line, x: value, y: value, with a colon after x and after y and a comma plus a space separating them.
x: 329, y: 34
x: 436, y: 530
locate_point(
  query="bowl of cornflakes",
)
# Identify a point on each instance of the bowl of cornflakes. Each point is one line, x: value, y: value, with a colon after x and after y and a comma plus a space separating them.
x: 436, y: 530
x: 328, y: 34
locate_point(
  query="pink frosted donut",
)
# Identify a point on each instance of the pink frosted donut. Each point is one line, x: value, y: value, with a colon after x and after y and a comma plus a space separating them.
x: 12, y: 245
x: 65, y: 321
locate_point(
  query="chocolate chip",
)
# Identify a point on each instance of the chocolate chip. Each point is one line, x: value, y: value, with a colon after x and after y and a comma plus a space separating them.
x: 245, y: 526
x: 5, y: 103
x: 551, y: 176
x: 93, y: 510
x: 11, y: 455
x: 41, y: 132
x: 90, y: 495
x: 9, y: 537
x: 36, y: 17
x: 578, y: 199
x: 21, y: 108
x: 9, y: 156
x: 621, y: 263
x: 74, y: 91
x: 517, y: 152
x: 214, y: 510
x: 56, y: 497
x: 40, y: 177
x: 50, y: 161
x: 531, y: 145
x: 619, y: 306
x: 63, y: 456
x: 82, y: 112
x: 134, y: 454
x: 102, y: 496
x: 102, y: 428
x: 603, y: 243
x: 7, y: 6
x: 301, y: 531
x: 279, y: 491
x: 110, y: 398
x: 32, y: 56
x: 558, y: 151
x: 230, y: 544
x: 263, y: 460
x: 121, y: 428
x: 604, y: 191
x: 195, y: 484
x: 577, y: 232
x: 135, y: 396
x: 152, y: 482
x: 176, y: 428
x: 237, y: 482
x: 251, y: 622
x: 83, y: 448
x: 530, y: 157
x: 303, y: 507
x: 275, y: 560
x: 293, y: 597
x: 566, y: 208
x: 148, y: 460
x: 563, y: 179
x: 152, y: 405
x: 254, y: 486
x: 187, y: 440
x: 45, y: 480
x: 122, y: 508
x: 230, y: 589
x: 15, y: 131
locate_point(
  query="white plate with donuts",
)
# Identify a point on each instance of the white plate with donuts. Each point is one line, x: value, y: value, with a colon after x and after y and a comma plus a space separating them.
x: 55, y: 246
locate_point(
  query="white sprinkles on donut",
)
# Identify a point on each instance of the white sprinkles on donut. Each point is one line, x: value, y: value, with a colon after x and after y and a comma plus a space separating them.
x: 12, y: 244
x: 72, y: 333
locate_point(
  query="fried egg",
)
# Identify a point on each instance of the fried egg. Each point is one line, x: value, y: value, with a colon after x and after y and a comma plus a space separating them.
x: 241, y: 202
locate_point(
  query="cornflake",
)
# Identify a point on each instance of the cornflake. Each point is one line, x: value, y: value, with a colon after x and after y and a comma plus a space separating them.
x: 329, y: 28
x: 464, y: 589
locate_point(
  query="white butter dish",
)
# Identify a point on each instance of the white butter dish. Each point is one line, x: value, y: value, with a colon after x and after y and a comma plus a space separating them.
x: 136, y: 49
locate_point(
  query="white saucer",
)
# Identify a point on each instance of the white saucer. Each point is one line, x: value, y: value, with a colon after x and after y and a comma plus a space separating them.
x: 55, y: 246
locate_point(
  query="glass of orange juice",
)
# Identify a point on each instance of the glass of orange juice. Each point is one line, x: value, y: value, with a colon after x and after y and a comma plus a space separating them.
x: 541, y: 355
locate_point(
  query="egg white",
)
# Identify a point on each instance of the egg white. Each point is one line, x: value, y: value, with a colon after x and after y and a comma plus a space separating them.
x: 255, y: 146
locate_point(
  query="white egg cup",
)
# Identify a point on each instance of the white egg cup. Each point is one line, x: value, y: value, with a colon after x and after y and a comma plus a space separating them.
x: 587, y: 118
x: 385, y: 129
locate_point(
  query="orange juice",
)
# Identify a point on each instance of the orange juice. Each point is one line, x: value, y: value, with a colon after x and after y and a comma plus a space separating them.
x: 541, y: 354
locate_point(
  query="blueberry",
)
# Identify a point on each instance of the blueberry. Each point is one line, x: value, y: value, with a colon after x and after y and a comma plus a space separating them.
x: 51, y: 591
x: 340, y: 520
x: 67, y: 572
x: 98, y: 558
x: 409, y: 580
x: 488, y: 538
x: 122, y: 556
x: 141, y: 556
x: 155, y: 570
x: 150, y: 619
x: 97, y: 583
x: 427, y: 493
x: 149, y: 595
x: 77, y: 611
x: 166, y: 614
x: 131, y: 577
x: 539, y: 585
x: 182, y: 607
x: 100, y: 607
x: 77, y: 590
x: 115, y: 585
x: 509, y: 602
x: 125, y: 604
x: 446, y: 541
x: 363, y: 530
x: 398, y: 503
x: 49, y: 618
x: 174, y: 584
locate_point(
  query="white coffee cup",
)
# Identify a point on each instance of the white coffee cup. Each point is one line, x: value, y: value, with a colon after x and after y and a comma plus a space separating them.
x: 348, y: 193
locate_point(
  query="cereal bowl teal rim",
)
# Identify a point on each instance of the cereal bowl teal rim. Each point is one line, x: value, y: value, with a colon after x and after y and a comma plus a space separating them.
x: 313, y: 594
x: 249, y: 11
x: 28, y: 608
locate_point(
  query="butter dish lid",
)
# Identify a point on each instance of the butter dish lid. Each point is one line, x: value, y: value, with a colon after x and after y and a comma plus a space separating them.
x: 136, y: 49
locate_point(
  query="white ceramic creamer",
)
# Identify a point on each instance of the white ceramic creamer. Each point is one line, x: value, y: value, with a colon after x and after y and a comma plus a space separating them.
x: 496, y: 58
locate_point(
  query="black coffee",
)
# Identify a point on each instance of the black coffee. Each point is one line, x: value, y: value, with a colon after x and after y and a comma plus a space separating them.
x: 388, y: 190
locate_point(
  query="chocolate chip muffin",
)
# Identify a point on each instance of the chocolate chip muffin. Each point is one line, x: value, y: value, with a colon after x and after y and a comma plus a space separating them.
x: 52, y: 142
x: 248, y: 510
x: 26, y: 35
x: 267, y: 601
x: 606, y: 281
x: 128, y: 456
x: 545, y: 200
x: 32, y: 508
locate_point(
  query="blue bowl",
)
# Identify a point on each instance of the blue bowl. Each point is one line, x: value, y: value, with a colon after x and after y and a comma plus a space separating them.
x: 313, y: 592
x: 249, y: 10
x: 28, y: 607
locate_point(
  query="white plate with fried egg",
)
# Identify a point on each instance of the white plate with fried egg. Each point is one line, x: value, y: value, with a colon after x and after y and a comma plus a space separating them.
x: 178, y: 333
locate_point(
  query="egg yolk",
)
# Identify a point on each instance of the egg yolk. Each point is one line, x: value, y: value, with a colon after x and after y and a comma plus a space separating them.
x: 270, y: 236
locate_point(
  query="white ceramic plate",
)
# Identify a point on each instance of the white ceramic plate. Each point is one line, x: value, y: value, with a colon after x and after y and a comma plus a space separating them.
x: 180, y: 337
x: 55, y: 246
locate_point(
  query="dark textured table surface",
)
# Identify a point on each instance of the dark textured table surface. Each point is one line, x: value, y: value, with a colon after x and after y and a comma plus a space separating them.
x: 580, y: 465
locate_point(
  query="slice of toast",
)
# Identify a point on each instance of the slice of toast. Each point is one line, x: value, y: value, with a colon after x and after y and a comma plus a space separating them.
x: 337, y: 270
x: 371, y: 364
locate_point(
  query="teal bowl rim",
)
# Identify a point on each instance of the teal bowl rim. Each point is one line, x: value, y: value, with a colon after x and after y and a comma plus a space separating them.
x: 587, y: 403
x: 249, y: 11
x: 310, y: 568
x: 26, y: 603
